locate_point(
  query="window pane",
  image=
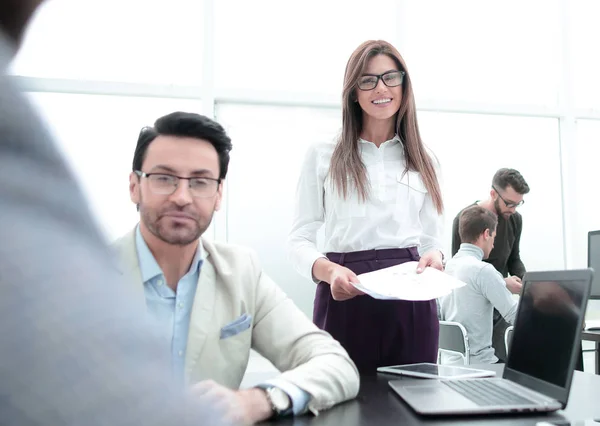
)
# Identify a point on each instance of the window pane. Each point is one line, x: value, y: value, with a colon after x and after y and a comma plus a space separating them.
x: 587, y: 203
x: 294, y: 46
x: 478, y: 51
x: 586, y: 190
x: 98, y: 135
x: 115, y: 40
x: 585, y: 54
x: 472, y: 147
x: 269, y: 146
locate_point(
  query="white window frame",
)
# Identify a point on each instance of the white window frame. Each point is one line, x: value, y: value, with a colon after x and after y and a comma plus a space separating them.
x: 565, y: 112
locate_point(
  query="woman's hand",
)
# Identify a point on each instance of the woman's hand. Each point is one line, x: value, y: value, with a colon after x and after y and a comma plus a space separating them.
x: 338, y: 277
x: 432, y: 259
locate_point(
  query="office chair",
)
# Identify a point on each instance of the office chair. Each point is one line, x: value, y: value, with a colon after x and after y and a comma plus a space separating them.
x: 508, y: 337
x: 454, y: 340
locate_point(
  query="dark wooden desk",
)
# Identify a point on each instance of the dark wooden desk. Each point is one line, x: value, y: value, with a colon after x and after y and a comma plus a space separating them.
x: 378, y: 405
x: 594, y: 336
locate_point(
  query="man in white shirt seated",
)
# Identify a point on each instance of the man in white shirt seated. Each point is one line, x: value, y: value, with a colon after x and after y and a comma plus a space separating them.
x: 213, y: 299
x: 473, y: 305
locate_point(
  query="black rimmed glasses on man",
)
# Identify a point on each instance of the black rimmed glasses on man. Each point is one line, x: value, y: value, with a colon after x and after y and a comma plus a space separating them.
x: 167, y: 184
x: 509, y: 204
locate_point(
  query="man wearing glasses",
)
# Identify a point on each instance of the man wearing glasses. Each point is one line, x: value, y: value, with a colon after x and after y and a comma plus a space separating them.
x: 506, y: 195
x: 212, y: 299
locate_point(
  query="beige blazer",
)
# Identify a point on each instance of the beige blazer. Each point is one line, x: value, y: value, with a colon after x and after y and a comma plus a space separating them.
x: 231, y: 285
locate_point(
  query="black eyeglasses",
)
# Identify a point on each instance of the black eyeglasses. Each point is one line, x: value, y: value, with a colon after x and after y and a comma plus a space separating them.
x: 509, y: 204
x: 165, y: 184
x: 389, y: 78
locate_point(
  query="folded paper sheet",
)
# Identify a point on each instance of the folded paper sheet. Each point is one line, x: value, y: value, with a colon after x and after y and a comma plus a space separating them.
x: 403, y: 283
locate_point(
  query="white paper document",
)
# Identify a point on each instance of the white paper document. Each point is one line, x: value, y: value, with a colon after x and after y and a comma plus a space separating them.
x: 403, y: 283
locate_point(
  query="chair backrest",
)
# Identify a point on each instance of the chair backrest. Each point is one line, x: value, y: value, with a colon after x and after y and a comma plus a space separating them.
x: 454, y: 339
x: 508, y: 337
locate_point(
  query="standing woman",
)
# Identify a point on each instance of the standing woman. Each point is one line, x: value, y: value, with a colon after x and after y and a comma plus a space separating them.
x: 376, y: 190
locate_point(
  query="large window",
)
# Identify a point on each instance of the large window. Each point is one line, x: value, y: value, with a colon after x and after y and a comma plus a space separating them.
x: 586, y: 189
x: 272, y: 72
x: 98, y: 135
x: 269, y: 145
x: 472, y: 147
x: 585, y: 53
x: 484, y: 52
x: 137, y: 41
x: 586, y: 216
x: 294, y: 46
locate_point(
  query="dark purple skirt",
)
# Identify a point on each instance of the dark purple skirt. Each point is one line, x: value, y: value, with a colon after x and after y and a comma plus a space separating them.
x: 378, y: 332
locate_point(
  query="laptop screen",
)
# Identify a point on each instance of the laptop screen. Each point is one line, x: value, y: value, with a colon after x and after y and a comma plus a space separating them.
x: 546, y: 330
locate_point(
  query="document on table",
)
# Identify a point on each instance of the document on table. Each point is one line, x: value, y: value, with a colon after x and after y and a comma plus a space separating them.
x: 401, y: 282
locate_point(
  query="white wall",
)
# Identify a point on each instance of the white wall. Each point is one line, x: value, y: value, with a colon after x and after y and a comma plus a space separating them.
x: 271, y: 72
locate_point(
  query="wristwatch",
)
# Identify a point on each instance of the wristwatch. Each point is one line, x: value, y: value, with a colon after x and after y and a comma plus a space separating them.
x: 279, y: 400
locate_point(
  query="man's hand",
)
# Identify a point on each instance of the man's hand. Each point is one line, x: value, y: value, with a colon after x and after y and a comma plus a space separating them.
x: 513, y: 284
x: 432, y: 259
x: 340, y: 278
x: 235, y: 407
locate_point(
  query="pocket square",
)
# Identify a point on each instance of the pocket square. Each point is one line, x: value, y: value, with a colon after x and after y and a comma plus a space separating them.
x: 236, y: 326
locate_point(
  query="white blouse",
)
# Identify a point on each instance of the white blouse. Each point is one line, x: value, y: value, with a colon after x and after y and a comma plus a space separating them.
x: 400, y: 212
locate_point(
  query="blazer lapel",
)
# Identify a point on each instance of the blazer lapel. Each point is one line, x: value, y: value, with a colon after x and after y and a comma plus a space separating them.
x: 129, y: 264
x: 202, y: 312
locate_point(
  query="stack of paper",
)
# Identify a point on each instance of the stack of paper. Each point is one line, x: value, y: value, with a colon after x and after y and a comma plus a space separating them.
x: 402, y: 282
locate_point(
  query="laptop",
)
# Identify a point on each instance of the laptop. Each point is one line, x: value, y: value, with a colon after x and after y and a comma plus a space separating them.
x: 541, y: 360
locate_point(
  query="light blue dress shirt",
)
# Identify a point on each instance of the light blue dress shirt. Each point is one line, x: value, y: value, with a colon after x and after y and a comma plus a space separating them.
x: 173, y: 310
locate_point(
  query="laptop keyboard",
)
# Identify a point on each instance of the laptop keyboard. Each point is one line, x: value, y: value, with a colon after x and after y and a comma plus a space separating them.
x: 487, y: 393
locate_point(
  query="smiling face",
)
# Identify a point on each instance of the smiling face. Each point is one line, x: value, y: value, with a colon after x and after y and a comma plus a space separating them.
x: 381, y: 102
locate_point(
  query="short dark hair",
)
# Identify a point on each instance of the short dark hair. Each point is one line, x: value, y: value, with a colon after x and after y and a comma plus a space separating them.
x: 474, y: 221
x: 510, y: 177
x: 185, y: 124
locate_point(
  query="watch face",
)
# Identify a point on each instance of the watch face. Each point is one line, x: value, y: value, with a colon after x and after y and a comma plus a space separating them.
x: 280, y: 399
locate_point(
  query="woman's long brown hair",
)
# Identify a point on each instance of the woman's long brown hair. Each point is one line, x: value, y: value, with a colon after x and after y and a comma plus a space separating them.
x: 346, y: 164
